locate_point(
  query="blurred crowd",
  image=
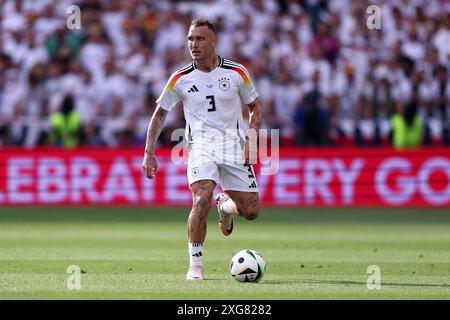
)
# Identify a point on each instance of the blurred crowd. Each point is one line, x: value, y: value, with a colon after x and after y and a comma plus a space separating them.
x: 324, y: 77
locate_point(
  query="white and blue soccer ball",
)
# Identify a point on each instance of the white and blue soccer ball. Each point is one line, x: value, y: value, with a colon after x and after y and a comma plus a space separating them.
x: 247, y: 266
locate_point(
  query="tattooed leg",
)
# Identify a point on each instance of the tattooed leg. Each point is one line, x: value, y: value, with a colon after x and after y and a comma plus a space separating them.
x: 202, y: 192
x: 247, y: 203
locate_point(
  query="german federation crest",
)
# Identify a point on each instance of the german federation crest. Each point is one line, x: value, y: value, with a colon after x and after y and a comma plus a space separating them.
x: 224, y: 84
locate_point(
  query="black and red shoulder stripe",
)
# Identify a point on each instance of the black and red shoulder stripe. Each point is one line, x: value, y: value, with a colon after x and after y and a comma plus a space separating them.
x: 240, y: 69
x: 178, y: 74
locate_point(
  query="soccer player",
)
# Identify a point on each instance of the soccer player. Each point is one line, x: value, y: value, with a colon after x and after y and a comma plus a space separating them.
x: 211, y: 89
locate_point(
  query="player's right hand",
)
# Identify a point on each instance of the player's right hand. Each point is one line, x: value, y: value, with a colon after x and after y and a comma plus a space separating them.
x: 149, y: 165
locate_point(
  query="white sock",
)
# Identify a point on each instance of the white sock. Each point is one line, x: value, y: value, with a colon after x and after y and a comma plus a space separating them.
x: 228, y: 206
x: 195, y: 254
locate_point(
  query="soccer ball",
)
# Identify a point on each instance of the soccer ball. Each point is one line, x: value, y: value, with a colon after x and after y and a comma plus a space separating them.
x: 247, y: 266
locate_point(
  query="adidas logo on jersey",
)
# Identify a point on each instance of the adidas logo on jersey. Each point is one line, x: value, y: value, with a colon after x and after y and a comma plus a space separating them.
x: 253, y: 185
x: 193, y: 89
x: 198, y: 255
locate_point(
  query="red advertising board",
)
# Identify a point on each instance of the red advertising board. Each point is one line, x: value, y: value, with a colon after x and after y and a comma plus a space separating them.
x: 304, y: 177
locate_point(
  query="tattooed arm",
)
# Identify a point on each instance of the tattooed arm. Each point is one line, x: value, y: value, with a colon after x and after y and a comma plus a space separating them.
x: 251, y: 138
x: 255, y: 115
x: 149, y: 163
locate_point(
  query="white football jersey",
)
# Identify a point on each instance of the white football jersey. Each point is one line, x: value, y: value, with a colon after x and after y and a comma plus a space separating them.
x: 211, y: 102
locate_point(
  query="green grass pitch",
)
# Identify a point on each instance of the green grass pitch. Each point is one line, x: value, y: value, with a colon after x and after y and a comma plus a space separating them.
x: 141, y: 253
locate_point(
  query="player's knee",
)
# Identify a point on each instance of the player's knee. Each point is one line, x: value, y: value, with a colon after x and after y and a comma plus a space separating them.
x: 251, y: 214
x: 202, y: 202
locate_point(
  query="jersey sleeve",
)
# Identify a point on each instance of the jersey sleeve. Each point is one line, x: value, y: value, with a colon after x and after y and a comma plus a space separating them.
x: 170, y: 96
x: 247, y: 90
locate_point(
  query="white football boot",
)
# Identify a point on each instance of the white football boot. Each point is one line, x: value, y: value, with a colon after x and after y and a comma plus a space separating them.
x: 225, y: 218
x: 195, y: 273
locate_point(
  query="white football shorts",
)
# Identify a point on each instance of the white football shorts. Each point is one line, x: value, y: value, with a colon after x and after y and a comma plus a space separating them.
x: 230, y: 176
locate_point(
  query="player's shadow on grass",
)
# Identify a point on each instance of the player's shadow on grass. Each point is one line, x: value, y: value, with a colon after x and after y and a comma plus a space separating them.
x: 340, y: 282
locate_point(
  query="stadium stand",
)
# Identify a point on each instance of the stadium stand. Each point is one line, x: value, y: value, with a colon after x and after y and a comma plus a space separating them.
x: 116, y: 65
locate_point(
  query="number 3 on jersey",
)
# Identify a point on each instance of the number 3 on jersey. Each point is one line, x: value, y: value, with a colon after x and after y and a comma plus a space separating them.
x: 212, y: 103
